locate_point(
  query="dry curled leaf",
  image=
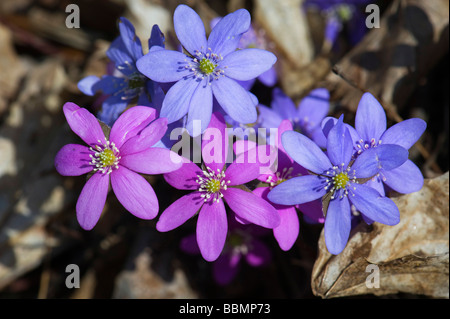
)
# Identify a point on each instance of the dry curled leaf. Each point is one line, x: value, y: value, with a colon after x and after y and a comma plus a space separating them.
x: 410, y: 257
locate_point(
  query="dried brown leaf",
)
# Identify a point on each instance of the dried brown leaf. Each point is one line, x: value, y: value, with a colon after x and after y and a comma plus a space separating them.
x: 412, y: 257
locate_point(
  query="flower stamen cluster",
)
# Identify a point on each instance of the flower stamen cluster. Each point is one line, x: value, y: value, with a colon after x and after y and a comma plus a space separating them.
x: 211, y: 184
x: 105, y: 157
x: 339, y: 180
x: 205, y: 65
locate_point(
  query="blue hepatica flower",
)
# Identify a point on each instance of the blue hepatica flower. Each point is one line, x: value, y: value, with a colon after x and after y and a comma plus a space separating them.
x: 208, y: 70
x: 127, y: 84
x: 306, y: 118
x: 370, y: 132
x: 338, y: 179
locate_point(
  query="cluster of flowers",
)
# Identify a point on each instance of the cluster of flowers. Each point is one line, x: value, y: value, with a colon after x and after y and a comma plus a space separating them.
x: 201, y: 89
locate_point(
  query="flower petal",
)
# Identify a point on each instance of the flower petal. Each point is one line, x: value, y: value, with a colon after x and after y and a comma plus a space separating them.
x: 156, y: 37
x: 404, y: 179
x: 163, y: 65
x: 179, y: 212
x: 130, y: 39
x: 215, y: 143
x: 405, y: 133
x: 376, y: 207
x: 305, y: 152
x: 385, y: 156
x: 178, y: 99
x: 225, y: 35
x: 339, y: 144
x: 112, y: 107
x: 184, y: 177
x: 370, y: 120
x: 283, y: 105
x: 134, y: 193
x: 152, y: 161
x: 313, y: 108
x: 251, y: 208
x: 130, y: 123
x: 146, y: 138
x: 287, y: 232
x: 337, y: 225
x: 83, y: 123
x: 87, y: 85
x: 234, y: 100
x: 298, y: 190
x: 200, y: 110
x: 92, y: 200
x: 189, y: 29
x: 247, y: 64
x: 212, y: 229
x: 73, y: 160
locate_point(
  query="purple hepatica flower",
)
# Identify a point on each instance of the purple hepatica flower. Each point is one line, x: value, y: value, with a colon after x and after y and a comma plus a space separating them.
x: 370, y: 132
x: 120, y: 158
x: 242, y: 243
x: 209, y: 70
x: 306, y: 118
x: 337, y: 181
x: 211, y: 185
x: 127, y: 83
x: 287, y: 232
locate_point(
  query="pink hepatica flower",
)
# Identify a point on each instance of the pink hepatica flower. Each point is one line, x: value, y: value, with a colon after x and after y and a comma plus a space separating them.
x: 211, y: 185
x: 118, y: 158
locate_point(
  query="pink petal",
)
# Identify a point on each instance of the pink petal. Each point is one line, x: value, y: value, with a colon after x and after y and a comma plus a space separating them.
x: 251, y: 208
x: 134, y: 193
x: 92, y: 200
x: 83, y: 123
x: 184, y: 177
x: 152, y: 161
x: 179, y: 212
x: 130, y: 123
x: 212, y: 229
x: 73, y: 160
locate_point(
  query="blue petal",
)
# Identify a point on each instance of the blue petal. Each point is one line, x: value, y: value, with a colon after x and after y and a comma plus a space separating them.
x: 339, y: 144
x: 404, y: 179
x: 156, y: 37
x: 162, y: 65
x: 376, y: 207
x: 405, y: 133
x: 370, y: 120
x: 337, y: 225
x: 283, y: 105
x: 178, y: 100
x: 200, y: 109
x: 225, y: 35
x: 130, y: 39
x: 298, y: 190
x: 313, y: 108
x: 123, y: 60
x: 305, y: 152
x: 189, y: 29
x: 86, y: 85
x: 247, y: 64
x: 234, y: 100
x: 385, y: 156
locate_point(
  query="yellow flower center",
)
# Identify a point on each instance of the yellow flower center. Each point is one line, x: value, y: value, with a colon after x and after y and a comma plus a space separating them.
x: 207, y: 66
x: 107, y: 157
x: 341, y: 180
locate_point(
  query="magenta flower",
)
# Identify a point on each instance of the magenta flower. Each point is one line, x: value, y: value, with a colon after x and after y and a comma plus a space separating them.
x: 119, y: 158
x: 211, y: 185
